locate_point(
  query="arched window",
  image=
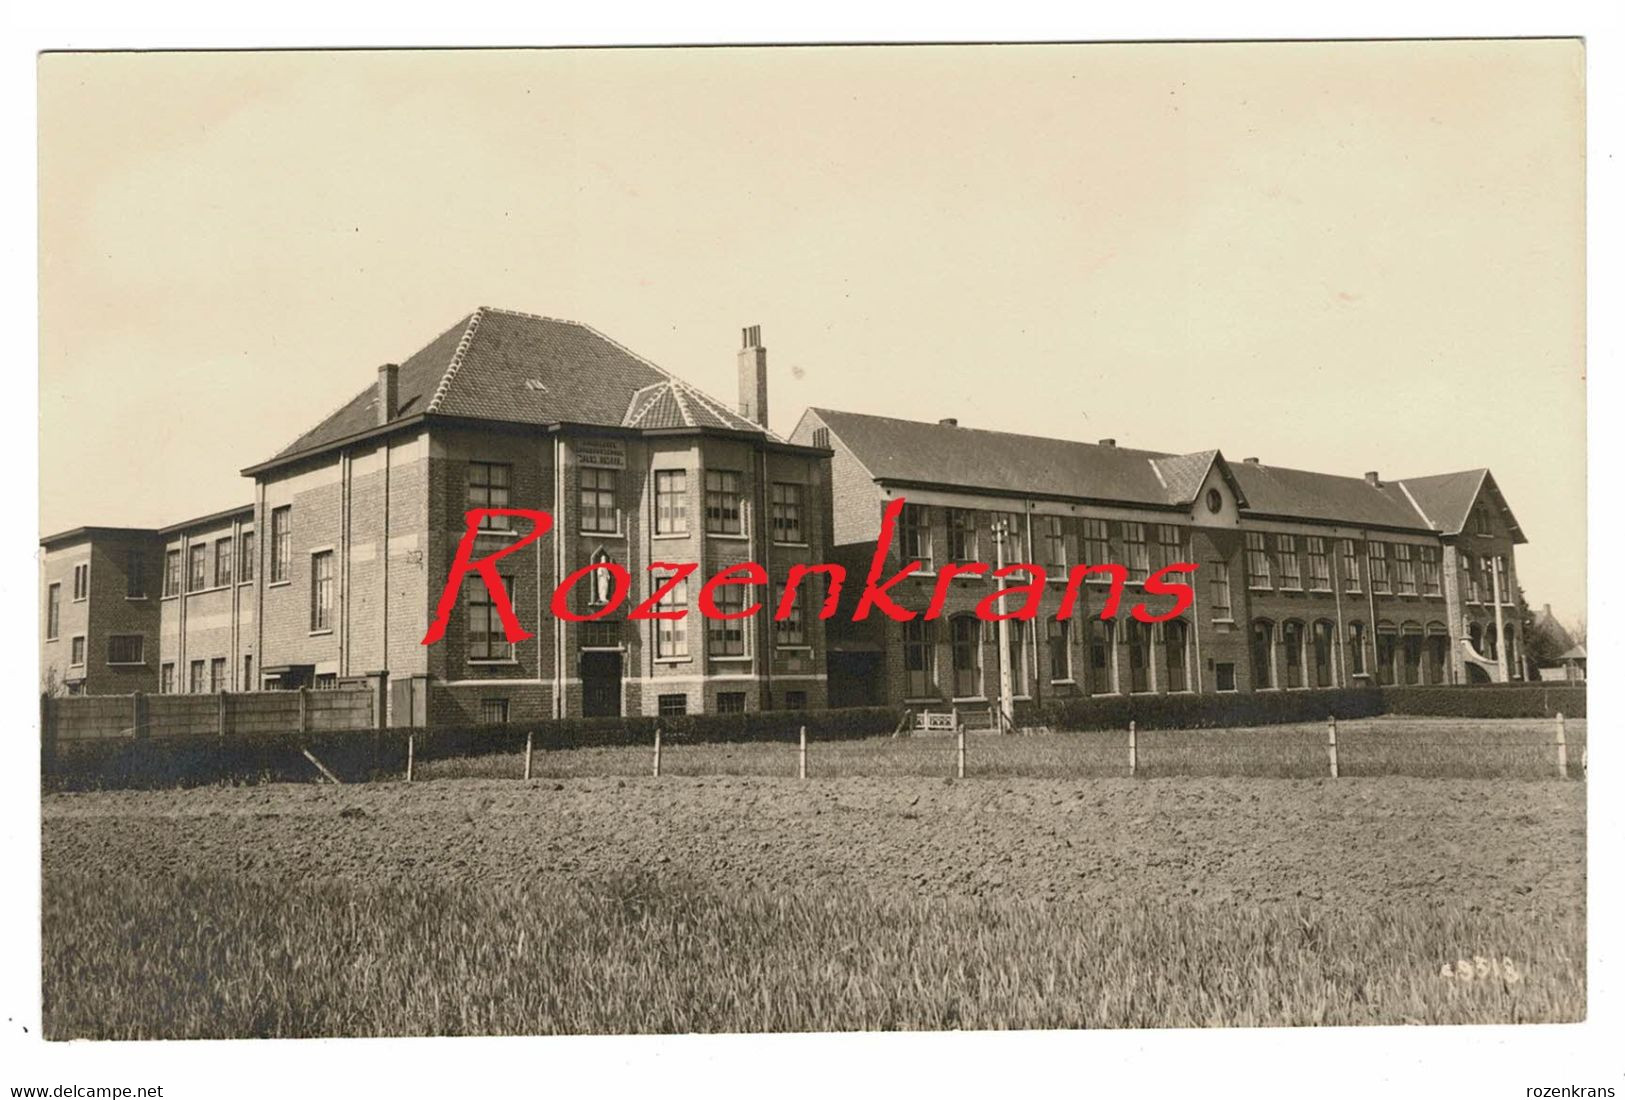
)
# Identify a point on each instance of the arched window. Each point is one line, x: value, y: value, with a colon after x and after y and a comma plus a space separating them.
x: 1322, y: 636
x: 1410, y: 651
x: 920, y: 658
x: 1357, y: 644
x: 1102, y: 656
x: 1175, y: 643
x: 1475, y: 635
x: 1292, y: 644
x: 1511, y: 641
x: 1058, y: 633
x: 1016, y: 654
x: 1139, y: 655
x: 1491, y: 648
x: 1263, y: 654
x: 967, y: 647
x: 1387, y: 652
x: 1438, y: 652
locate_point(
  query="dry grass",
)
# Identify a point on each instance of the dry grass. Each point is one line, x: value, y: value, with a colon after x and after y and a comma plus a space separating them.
x: 1426, y: 747
x: 216, y: 955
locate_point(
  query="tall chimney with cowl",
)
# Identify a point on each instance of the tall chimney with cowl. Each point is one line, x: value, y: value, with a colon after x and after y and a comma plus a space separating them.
x: 753, y: 377
x: 389, y: 395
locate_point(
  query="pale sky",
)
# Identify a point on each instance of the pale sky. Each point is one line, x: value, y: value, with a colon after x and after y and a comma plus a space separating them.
x: 1339, y: 257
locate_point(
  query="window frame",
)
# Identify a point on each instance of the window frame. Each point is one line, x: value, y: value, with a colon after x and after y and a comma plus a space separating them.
x: 1219, y: 581
x: 484, y: 489
x: 1258, y: 562
x: 282, y: 544
x: 1382, y: 583
x: 321, y: 592
x: 53, y: 611
x: 788, y: 508
x: 480, y: 605
x: 671, y: 503
x: 135, y: 572
x: 81, y: 581
x: 920, y: 637
x: 962, y: 534
x: 727, y: 639
x: 725, y: 503
x: 591, y: 518
x: 224, y: 561
x: 914, y: 535
x: 140, y: 650
x: 1058, y: 644
x: 1286, y: 554
x: 1054, y: 538
x: 671, y: 635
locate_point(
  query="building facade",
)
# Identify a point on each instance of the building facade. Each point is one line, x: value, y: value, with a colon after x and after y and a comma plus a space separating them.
x: 336, y: 569
x: 1304, y: 579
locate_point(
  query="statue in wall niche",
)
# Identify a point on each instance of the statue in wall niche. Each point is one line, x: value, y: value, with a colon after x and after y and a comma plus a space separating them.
x: 603, y: 582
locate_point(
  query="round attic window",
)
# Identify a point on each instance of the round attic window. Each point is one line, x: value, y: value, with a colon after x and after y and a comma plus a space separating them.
x: 1215, y: 500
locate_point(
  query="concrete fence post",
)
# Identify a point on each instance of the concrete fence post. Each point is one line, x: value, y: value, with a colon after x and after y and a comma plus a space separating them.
x: 959, y: 733
x: 1133, y: 750
x: 47, y: 733
x: 530, y: 741
x: 140, y: 716
x: 304, y: 710
x: 1562, y: 747
x: 1331, y: 744
x: 657, y: 751
x: 801, y: 769
x: 411, y: 752
x: 221, y: 720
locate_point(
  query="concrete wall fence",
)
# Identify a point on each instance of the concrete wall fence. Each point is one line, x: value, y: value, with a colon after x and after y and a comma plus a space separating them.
x: 81, y: 718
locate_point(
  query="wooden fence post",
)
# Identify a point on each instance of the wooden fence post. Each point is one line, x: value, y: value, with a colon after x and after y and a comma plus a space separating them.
x: 1331, y: 743
x: 1562, y: 747
x: 801, y: 770
x: 1133, y: 750
x: 530, y: 739
x: 411, y: 747
x: 657, y: 751
x: 959, y: 731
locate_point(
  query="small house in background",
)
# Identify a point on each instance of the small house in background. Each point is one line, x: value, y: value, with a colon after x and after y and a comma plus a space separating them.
x: 1570, y: 667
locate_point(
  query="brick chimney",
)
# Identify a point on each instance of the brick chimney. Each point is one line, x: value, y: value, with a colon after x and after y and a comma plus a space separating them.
x: 1108, y: 442
x: 753, y: 377
x: 1371, y: 478
x: 949, y: 422
x: 389, y: 396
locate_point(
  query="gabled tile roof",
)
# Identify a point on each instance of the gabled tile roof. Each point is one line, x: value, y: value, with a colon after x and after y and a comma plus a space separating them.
x: 938, y: 454
x: 911, y: 451
x: 498, y: 364
x: 1447, y: 499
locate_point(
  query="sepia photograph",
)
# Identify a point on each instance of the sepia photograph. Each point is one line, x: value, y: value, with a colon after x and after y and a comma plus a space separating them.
x: 811, y: 539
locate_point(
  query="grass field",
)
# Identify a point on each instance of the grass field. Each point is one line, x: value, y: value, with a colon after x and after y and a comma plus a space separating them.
x: 1428, y: 747
x: 733, y: 902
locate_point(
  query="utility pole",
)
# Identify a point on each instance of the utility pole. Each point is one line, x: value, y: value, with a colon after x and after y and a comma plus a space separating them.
x: 1007, y: 703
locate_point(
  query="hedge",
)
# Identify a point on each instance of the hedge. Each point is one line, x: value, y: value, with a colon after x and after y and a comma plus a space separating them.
x: 1488, y: 701
x: 1278, y: 707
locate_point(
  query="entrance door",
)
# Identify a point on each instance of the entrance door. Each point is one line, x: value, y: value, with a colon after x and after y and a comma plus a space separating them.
x: 601, y: 685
